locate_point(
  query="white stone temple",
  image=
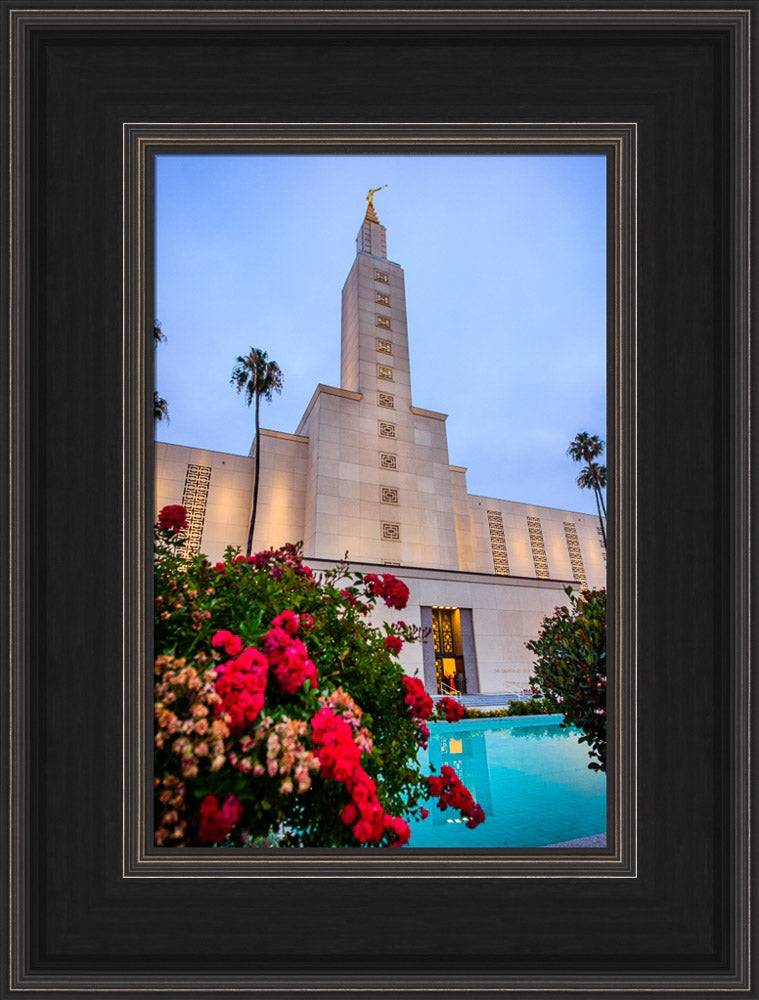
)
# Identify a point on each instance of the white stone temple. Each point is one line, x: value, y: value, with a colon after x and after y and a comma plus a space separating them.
x: 368, y: 472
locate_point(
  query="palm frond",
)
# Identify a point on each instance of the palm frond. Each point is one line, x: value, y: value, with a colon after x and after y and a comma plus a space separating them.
x: 592, y: 476
x: 160, y: 408
x: 585, y: 447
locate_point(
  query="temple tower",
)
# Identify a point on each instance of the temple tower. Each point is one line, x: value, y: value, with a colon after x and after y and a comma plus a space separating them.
x: 374, y: 354
x: 379, y: 481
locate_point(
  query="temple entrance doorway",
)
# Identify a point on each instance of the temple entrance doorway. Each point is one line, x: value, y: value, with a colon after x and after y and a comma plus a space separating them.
x: 449, y: 659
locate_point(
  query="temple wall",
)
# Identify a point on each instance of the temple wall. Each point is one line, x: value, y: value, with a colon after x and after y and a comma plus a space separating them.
x: 558, y: 529
x: 506, y: 613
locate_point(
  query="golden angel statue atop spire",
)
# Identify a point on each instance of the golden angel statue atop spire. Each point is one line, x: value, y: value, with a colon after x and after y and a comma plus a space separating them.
x: 370, y: 196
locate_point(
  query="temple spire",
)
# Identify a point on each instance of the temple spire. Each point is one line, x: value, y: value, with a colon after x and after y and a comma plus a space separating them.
x: 371, y: 235
x: 371, y: 215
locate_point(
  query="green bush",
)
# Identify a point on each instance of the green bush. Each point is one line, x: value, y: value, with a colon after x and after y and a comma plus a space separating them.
x: 533, y: 706
x: 570, y: 670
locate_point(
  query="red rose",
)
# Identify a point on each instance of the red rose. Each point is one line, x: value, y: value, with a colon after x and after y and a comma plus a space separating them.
x: 435, y: 785
x: 393, y: 591
x: 362, y: 831
x: 394, y: 643
x: 288, y: 621
x: 349, y: 814
x: 232, y: 643
x: 289, y: 659
x: 231, y: 811
x: 396, y: 592
x: 241, y: 685
x: 173, y: 518
x: 216, y: 823
x: 454, y: 710
x: 419, y: 702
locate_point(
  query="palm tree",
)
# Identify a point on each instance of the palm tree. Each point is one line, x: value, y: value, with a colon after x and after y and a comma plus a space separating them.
x: 256, y: 376
x: 585, y: 448
x: 593, y: 477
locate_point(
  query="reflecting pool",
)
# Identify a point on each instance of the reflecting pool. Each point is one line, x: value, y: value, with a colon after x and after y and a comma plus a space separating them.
x: 529, y: 774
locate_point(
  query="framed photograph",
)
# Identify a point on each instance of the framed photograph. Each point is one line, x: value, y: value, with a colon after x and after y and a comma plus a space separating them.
x: 99, y: 101
x: 499, y: 309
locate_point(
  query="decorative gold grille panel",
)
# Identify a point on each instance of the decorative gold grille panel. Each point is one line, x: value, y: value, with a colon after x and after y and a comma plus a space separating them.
x: 386, y: 430
x: 388, y: 461
x: 194, y: 499
x: 446, y: 634
x: 385, y: 399
x: 382, y: 298
x: 538, y: 547
x: 383, y: 321
x: 381, y: 276
x: 384, y: 346
x: 442, y: 623
x: 498, y: 543
x: 384, y: 372
x: 391, y: 532
x: 575, y: 556
x: 388, y: 494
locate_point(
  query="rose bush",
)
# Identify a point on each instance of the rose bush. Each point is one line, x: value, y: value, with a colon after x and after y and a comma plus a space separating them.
x: 570, y: 670
x: 281, y: 715
x: 454, y: 710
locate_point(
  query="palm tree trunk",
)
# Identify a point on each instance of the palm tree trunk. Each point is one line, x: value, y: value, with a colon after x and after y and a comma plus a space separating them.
x: 255, y: 482
x: 597, y: 491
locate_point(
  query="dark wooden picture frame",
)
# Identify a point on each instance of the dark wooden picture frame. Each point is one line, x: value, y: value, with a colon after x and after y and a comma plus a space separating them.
x: 617, y: 143
x: 91, y: 909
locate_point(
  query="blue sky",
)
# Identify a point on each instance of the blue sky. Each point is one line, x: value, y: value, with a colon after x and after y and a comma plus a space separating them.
x: 505, y: 265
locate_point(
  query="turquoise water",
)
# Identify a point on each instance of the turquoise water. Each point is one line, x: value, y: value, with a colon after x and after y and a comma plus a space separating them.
x: 531, y: 778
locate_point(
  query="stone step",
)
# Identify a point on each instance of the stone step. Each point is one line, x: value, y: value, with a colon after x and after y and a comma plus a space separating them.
x: 488, y: 700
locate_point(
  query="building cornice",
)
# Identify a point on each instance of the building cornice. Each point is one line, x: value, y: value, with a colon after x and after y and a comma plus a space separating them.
x: 328, y: 390
x: 433, y: 414
x: 302, y: 438
x: 431, y: 573
x: 384, y: 260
